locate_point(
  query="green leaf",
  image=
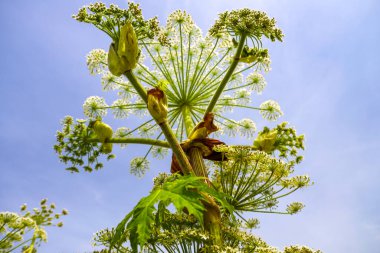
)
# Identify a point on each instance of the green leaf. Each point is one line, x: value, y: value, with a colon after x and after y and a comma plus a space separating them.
x: 185, y: 192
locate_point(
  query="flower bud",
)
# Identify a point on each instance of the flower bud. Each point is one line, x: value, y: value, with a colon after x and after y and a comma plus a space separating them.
x: 128, y: 49
x: 157, y: 104
x: 102, y: 131
x: 124, y: 56
x: 106, y: 148
x: 266, y: 141
x: 114, y: 63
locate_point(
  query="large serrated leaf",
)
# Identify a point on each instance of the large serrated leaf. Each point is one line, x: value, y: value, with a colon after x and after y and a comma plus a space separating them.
x: 186, y: 192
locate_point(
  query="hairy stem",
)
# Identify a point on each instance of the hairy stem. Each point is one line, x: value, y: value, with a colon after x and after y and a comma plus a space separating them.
x: 211, y: 215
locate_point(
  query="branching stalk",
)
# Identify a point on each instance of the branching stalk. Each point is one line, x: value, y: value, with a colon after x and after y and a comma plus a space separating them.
x: 227, y: 77
x: 147, y: 141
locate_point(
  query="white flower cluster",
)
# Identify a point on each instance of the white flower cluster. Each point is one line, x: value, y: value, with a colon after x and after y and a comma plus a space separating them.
x: 94, y: 107
x: 147, y: 130
x: 242, y: 96
x: 159, y: 152
x: 270, y: 110
x: 111, y: 82
x: 119, y: 109
x: 139, y: 166
x: 230, y: 127
x: 300, y: 249
x: 97, y: 61
x: 247, y: 128
x: 294, y: 207
x: 247, y: 168
x: 256, y: 82
x: 181, y: 19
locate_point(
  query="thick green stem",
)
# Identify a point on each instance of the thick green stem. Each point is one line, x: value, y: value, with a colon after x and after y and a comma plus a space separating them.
x: 166, y: 129
x: 196, y: 160
x: 135, y: 141
x: 228, y: 75
x: 177, y: 150
x: 137, y: 85
x: 211, y: 215
x: 212, y: 221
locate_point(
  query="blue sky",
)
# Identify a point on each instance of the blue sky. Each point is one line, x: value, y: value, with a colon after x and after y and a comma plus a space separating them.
x: 324, y: 75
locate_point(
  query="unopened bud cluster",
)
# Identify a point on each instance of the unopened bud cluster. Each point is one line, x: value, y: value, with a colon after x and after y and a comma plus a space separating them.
x: 124, y: 54
x: 158, y: 105
x: 110, y: 19
x: 104, y: 133
x: 75, y: 143
x: 250, y: 55
x: 283, y: 139
x: 248, y: 22
x: 125, y: 27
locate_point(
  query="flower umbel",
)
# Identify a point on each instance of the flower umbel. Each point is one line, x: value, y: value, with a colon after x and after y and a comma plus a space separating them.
x: 95, y: 107
x: 282, y: 139
x: 270, y: 110
x: 139, y: 166
x: 252, y: 23
x: 109, y: 20
x: 74, y: 145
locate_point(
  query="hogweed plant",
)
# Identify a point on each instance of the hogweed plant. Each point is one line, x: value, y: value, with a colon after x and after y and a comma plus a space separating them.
x: 185, y: 86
